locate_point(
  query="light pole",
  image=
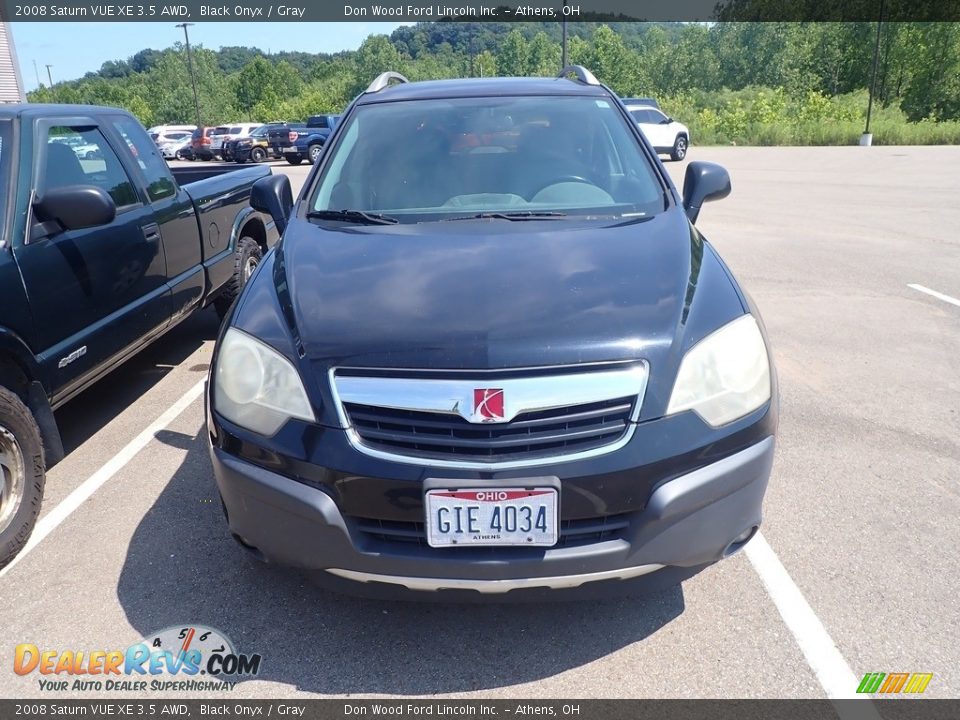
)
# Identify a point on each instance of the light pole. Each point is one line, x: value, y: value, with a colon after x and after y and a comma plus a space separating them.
x: 193, y: 78
x: 867, y: 139
x: 563, y: 60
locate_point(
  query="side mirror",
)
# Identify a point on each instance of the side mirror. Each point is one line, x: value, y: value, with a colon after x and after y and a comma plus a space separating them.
x: 272, y: 195
x: 666, y: 121
x: 76, y: 207
x: 703, y: 182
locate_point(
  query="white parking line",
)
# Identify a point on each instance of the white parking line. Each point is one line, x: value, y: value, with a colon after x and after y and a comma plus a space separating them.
x: 49, y: 522
x: 821, y: 652
x: 934, y: 293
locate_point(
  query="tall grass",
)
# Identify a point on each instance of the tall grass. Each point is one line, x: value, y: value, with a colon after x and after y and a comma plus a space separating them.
x: 770, y: 116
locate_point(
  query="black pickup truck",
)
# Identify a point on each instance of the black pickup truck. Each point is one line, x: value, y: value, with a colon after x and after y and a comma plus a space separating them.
x: 100, y: 254
x: 296, y: 142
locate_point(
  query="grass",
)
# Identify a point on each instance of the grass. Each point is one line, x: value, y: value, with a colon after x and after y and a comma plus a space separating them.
x: 771, y: 116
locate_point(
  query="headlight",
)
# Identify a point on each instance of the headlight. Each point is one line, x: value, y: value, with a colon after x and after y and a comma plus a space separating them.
x: 724, y: 376
x: 256, y: 387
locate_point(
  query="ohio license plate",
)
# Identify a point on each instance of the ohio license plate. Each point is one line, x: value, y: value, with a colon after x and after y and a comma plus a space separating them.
x: 491, y: 516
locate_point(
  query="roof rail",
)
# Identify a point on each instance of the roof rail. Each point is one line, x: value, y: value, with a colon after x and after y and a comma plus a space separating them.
x: 383, y: 79
x: 583, y: 75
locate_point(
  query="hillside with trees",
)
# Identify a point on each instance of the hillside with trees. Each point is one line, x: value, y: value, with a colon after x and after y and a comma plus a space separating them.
x: 769, y: 83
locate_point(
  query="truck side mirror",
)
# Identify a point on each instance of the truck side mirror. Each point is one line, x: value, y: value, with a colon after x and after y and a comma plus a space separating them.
x: 703, y: 182
x: 76, y: 207
x: 272, y: 195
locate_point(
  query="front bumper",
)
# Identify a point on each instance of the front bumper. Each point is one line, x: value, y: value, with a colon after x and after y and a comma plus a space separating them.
x: 687, y: 522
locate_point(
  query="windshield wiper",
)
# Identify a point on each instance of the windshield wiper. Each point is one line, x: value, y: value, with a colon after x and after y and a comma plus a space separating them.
x: 513, y: 216
x: 358, y: 217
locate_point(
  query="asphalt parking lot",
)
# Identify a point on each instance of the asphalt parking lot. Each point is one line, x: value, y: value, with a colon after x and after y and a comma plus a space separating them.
x: 857, y: 569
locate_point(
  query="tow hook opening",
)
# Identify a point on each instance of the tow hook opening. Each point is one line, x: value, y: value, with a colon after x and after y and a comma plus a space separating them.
x: 740, y: 540
x: 253, y: 550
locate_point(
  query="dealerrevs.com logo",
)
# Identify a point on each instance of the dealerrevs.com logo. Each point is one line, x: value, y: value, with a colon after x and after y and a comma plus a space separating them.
x: 178, y: 658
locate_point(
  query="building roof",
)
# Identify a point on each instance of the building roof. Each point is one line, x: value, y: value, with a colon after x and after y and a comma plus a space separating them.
x: 11, y: 84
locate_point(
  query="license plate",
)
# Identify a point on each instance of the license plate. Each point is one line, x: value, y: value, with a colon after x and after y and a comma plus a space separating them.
x: 491, y: 516
x: 291, y: 149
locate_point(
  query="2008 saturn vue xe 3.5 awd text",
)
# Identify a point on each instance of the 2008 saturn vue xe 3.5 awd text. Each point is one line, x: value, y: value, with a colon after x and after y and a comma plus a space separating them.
x: 492, y: 355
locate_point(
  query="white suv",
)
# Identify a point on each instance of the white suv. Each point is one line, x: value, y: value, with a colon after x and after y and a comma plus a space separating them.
x: 664, y: 133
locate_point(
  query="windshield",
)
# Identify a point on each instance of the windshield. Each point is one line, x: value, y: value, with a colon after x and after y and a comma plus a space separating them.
x: 426, y: 160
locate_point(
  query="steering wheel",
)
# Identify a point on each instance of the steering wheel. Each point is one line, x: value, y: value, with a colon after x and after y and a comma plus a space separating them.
x: 562, y: 179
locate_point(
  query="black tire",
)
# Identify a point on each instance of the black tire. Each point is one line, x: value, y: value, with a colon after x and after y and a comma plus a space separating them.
x: 680, y: 147
x: 294, y: 159
x: 246, y: 258
x: 258, y: 154
x: 21, y: 472
x: 313, y: 152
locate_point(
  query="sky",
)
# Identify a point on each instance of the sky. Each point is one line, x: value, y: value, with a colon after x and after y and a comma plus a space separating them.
x: 74, y: 49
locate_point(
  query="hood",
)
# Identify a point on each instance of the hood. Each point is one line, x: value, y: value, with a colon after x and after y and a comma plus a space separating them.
x: 494, y: 294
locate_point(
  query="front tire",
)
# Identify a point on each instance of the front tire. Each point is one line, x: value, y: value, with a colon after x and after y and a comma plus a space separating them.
x: 248, y: 255
x: 680, y: 146
x: 313, y: 153
x: 294, y: 159
x: 22, y: 475
x: 258, y: 155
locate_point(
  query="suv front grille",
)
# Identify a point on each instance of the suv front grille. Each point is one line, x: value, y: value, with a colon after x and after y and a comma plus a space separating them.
x: 490, y: 419
x: 558, y: 431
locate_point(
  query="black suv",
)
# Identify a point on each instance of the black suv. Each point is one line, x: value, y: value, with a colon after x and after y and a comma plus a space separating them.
x: 492, y: 355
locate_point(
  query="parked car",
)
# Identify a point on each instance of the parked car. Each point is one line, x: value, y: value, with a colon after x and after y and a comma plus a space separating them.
x: 646, y: 102
x: 173, y: 144
x: 83, y: 150
x: 252, y: 147
x: 201, y: 142
x: 516, y: 367
x: 665, y: 134
x: 298, y: 142
x: 163, y: 130
x: 228, y: 132
x: 98, y: 259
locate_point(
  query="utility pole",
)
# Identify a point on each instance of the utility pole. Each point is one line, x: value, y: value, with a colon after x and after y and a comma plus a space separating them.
x: 49, y: 76
x: 563, y: 61
x: 867, y: 139
x: 36, y: 72
x: 193, y: 77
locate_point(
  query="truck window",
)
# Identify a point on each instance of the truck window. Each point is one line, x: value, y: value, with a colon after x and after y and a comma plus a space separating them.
x: 159, y: 181
x: 80, y: 155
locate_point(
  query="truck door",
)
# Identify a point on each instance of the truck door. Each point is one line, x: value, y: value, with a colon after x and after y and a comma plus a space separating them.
x: 174, y: 214
x: 95, y: 294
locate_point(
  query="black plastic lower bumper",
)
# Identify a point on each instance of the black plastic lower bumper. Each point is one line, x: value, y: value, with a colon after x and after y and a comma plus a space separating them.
x: 689, y: 522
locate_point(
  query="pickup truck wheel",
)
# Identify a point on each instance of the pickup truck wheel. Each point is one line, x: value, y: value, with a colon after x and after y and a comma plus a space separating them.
x: 313, y: 153
x: 679, y: 151
x: 258, y: 154
x: 246, y: 259
x: 294, y: 159
x: 22, y: 475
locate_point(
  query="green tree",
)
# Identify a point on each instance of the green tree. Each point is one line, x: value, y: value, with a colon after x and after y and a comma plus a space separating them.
x: 543, y: 56
x: 512, y: 60
x: 376, y: 55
